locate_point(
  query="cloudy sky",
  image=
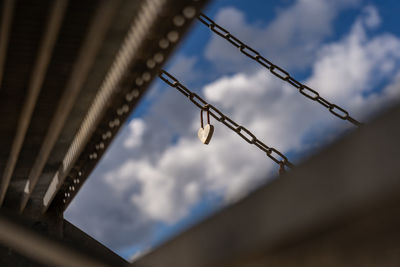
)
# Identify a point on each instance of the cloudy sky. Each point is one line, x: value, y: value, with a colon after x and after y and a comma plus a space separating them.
x: 157, y: 178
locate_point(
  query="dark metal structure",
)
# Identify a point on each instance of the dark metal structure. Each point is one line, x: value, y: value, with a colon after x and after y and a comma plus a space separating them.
x: 72, y: 71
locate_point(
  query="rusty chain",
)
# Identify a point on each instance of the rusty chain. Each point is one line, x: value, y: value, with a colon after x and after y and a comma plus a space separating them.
x: 276, y: 70
x: 248, y: 136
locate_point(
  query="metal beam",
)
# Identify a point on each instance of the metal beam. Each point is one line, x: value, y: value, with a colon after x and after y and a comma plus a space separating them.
x: 154, y: 33
x: 132, y: 42
x: 39, y: 248
x: 92, y: 43
x: 6, y: 22
x: 53, y: 25
x: 348, y: 193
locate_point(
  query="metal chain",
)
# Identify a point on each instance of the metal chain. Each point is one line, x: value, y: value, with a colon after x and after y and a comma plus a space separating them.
x: 276, y: 70
x: 249, y: 137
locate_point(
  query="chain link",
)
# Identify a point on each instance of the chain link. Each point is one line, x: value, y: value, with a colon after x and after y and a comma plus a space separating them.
x: 248, y: 136
x: 276, y: 70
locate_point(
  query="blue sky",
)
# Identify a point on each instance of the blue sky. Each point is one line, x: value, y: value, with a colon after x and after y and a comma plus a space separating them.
x: 158, y: 179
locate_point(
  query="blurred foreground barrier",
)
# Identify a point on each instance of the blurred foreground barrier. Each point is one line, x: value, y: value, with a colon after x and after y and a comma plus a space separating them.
x: 339, y: 208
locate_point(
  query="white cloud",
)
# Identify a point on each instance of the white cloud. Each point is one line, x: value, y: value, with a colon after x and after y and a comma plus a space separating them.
x: 185, y: 66
x: 348, y: 71
x: 144, y: 179
x: 136, y: 129
x: 295, y: 34
x: 372, y: 18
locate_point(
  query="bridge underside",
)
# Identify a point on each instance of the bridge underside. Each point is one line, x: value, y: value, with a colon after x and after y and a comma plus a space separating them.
x: 70, y: 74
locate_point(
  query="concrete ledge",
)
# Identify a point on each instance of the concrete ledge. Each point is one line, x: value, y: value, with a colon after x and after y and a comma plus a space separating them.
x: 340, y: 208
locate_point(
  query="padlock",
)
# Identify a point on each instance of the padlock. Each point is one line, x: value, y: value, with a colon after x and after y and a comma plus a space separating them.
x: 205, y: 133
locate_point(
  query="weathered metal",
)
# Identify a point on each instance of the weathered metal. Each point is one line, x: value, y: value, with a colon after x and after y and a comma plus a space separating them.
x: 271, y: 152
x: 277, y: 71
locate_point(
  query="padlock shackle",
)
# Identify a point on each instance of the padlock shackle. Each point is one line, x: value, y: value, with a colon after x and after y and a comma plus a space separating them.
x: 206, y: 107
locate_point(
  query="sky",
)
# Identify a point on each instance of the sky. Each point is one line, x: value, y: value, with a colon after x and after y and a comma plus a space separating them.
x: 157, y: 179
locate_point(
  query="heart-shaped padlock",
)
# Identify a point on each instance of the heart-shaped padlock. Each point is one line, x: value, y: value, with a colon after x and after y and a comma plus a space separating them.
x: 205, y: 133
